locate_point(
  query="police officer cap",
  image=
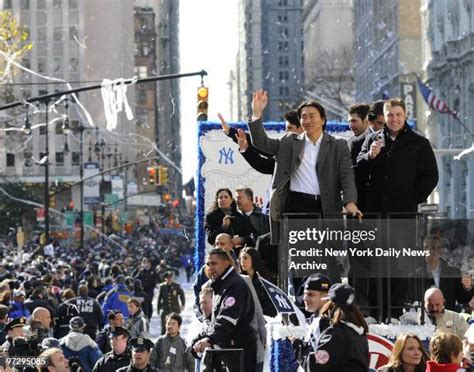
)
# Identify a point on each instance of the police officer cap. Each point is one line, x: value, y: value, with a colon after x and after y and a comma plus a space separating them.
x: 141, y: 344
x: 341, y: 294
x: 15, y: 323
x: 317, y: 282
x: 118, y: 331
x: 169, y: 274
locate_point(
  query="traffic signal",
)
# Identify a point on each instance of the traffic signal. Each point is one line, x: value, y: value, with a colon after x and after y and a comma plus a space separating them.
x: 151, y: 175
x: 203, y: 103
x: 162, y: 176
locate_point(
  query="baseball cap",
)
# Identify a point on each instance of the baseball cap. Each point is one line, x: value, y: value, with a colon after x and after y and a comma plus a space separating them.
x: 341, y: 294
x: 317, y: 282
x: 76, y: 323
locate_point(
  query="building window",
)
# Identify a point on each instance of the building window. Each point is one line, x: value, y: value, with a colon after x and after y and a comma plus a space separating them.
x: 7, y: 4
x: 283, y: 46
x: 75, y: 158
x: 72, y: 4
x: 25, y: 4
x: 10, y: 160
x: 57, y: 4
x: 60, y: 158
x: 284, y: 91
x: 42, y: 65
x: 58, y: 34
x: 284, y: 76
x: 57, y: 69
x: 72, y: 33
x: 59, y: 127
x: 42, y: 33
x: 41, y: 4
x: 283, y: 61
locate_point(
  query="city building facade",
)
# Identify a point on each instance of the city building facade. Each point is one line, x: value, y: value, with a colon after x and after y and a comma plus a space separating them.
x: 270, y: 55
x: 449, y: 70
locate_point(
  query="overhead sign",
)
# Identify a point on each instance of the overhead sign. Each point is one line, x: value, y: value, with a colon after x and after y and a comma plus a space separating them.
x: 409, y: 97
x: 91, y: 185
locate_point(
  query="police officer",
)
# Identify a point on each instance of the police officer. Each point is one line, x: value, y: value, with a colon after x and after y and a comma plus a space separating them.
x: 169, y: 298
x: 13, y: 330
x: 140, y: 355
x: 120, y: 356
x: 232, y: 314
x: 88, y: 309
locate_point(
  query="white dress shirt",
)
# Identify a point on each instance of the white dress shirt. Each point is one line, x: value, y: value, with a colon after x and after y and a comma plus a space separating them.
x: 305, y: 178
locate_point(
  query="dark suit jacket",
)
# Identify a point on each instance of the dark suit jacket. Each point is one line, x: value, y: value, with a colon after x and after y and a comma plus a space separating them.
x: 257, y: 160
x: 361, y: 175
x: 403, y: 175
x: 334, y: 169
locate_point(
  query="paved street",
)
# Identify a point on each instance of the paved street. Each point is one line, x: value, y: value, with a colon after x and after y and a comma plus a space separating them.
x: 188, y: 313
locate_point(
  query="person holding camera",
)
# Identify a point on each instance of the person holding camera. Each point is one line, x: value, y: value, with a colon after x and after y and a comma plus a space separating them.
x: 223, y: 217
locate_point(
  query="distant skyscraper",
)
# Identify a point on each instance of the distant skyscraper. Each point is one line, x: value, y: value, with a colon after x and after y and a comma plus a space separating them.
x: 388, y: 56
x: 270, y: 55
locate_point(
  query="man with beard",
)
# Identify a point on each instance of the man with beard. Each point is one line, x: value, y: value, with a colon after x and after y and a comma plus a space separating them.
x: 445, y: 320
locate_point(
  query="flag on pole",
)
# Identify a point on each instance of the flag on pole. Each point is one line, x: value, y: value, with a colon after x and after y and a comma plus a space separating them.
x: 437, y: 104
x: 280, y: 300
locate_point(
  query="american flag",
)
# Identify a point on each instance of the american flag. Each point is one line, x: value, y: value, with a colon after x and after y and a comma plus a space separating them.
x: 433, y: 101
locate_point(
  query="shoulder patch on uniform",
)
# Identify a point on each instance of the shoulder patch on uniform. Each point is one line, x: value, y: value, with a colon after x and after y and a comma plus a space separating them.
x: 321, y: 356
x: 228, y: 302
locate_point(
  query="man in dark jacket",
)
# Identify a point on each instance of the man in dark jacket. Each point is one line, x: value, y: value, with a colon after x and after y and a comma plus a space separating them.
x: 170, y: 299
x: 147, y: 277
x: 359, y: 125
x: 258, y: 222
x: 120, y: 356
x: 140, y: 294
x: 401, y: 173
x: 88, y: 309
x: 401, y: 165
x: 141, y: 348
x: 232, y: 314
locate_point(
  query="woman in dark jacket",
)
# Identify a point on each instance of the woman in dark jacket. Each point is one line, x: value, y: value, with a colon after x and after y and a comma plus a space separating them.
x: 342, y: 345
x: 224, y: 218
x: 408, y: 354
x: 251, y: 264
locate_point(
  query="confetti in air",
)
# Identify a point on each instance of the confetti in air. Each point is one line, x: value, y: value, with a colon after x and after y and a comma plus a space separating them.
x: 114, y: 94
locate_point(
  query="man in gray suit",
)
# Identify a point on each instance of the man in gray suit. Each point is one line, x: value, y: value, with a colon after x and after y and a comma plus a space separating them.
x: 312, y: 169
